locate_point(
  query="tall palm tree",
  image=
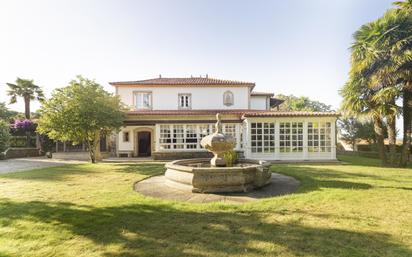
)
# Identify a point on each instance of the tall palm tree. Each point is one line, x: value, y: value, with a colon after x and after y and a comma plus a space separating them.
x: 382, y: 54
x: 27, y: 90
x: 358, y: 101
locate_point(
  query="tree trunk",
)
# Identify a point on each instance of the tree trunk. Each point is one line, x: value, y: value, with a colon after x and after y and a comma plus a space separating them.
x: 392, y: 139
x: 407, y: 130
x: 94, y: 149
x: 377, y: 123
x: 27, y: 107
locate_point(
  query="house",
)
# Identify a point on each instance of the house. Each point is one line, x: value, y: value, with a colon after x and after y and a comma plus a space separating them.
x: 167, y: 118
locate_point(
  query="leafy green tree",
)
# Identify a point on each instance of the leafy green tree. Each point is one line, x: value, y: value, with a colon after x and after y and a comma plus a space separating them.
x: 6, y: 114
x: 4, y: 135
x: 295, y: 103
x: 81, y: 112
x: 27, y: 90
x: 352, y: 130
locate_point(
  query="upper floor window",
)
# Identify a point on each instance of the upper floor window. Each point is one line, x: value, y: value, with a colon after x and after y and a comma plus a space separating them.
x: 185, y: 101
x: 228, y: 98
x: 143, y: 100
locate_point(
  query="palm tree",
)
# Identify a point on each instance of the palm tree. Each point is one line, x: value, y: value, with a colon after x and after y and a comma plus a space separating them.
x: 382, y: 54
x: 358, y: 102
x: 404, y: 5
x: 28, y: 90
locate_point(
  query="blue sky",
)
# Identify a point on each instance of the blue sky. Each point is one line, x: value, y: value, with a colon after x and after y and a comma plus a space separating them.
x: 295, y: 47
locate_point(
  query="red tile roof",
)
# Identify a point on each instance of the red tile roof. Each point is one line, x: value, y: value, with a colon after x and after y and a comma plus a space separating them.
x: 289, y: 114
x: 199, y: 81
x: 192, y: 112
x: 245, y: 112
x: 262, y: 94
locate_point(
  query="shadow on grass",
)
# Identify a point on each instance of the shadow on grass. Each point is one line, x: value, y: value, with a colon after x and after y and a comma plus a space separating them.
x: 162, y: 230
x: 60, y: 173
x: 148, y: 169
x: 314, y: 178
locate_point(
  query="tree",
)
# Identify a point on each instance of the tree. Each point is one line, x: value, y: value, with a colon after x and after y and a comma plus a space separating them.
x: 5, y: 113
x: 28, y: 90
x: 381, y: 55
x: 4, y: 135
x: 81, y: 112
x: 404, y: 5
x: 352, y: 130
x: 358, y: 102
x: 294, y: 103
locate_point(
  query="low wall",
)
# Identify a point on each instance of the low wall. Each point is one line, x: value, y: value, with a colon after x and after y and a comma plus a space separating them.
x: 78, y: 156
x: 21, y: 152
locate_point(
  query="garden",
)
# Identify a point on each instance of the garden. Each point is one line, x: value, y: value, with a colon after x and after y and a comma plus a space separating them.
x: 351, y: 209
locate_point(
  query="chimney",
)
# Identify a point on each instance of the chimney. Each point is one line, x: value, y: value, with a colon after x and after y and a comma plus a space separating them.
x: 160, y: 76
x: 207, y: 75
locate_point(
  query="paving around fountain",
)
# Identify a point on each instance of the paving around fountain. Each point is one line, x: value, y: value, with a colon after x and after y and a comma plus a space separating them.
x: 218, y: 179
x: 156, y: 187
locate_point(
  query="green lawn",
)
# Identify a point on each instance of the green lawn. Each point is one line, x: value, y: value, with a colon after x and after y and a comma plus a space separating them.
x: 356, y: 209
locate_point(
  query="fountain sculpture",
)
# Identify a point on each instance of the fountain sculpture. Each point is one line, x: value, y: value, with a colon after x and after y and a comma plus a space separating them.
x: 213, y: 175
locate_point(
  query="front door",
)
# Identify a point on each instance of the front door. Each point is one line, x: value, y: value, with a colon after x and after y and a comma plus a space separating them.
x: 143, y: 144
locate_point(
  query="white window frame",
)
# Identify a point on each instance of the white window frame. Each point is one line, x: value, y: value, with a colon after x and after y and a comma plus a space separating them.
x: 319, y: 137
x: 185, y: 101
x: 137, y: 100
x: 291, y: 137
x: 262, y: 137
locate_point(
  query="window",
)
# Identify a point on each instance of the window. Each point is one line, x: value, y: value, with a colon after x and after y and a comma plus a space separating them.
x: 290, y: 137
x: 176, y: 136
x: 191, y: 137
x: 165, y: 139
x: 185, y: 101
x: 319, y: 137
x: 229, y: 129
x: 263, y: 137
x: 126, y: 136
x: 228, y: 98
x: 143, y: 100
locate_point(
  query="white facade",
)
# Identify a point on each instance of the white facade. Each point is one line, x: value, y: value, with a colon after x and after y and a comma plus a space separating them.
x: 173, y: 120
x: 259, y: 103
x: 166, y: 98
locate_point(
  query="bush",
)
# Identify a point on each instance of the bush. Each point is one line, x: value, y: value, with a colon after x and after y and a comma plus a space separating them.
x: 230, y: 158
x: 4, y: 135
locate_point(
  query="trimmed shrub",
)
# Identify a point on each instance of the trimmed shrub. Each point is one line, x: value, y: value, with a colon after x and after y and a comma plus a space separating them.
x: 4, y: 135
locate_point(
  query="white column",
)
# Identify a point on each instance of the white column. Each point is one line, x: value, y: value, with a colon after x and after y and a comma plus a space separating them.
x: 333, y: 139
x: 305, y: 140
x: 156, y: 137
x: 237, y: 129
x: 246, y: 139
x: 277, y: 145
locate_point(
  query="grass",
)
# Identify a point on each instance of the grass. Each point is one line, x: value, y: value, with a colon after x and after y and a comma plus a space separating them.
x: 355, y: 209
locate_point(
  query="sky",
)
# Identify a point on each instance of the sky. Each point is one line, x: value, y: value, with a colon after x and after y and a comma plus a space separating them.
x: 298, y: 47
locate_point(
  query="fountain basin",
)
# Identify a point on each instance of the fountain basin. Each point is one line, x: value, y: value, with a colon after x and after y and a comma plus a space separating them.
x: 201, y: 177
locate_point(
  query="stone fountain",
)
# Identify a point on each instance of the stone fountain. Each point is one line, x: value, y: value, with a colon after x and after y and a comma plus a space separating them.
x: 213, y: 175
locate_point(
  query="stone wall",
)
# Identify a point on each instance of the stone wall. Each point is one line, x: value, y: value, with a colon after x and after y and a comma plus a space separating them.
x: 21, y: 152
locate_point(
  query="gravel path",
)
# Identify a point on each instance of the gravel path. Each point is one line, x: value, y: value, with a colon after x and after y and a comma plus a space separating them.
x: 23, y: 164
